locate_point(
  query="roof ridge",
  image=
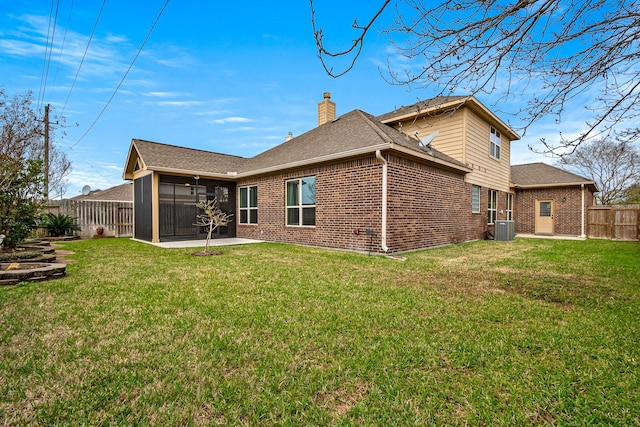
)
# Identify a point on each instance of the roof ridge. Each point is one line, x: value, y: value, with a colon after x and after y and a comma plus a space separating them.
x: 374, y: 126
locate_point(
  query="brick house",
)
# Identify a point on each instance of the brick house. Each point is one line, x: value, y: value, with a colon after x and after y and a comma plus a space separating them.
x: 434, y: 173
x: 550, y: 200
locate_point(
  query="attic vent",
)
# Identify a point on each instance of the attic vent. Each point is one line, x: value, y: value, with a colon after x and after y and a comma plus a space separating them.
x: 137, y: 166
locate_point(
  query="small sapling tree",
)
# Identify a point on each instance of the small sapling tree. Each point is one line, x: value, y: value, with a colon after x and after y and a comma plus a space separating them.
x: 211, y: 217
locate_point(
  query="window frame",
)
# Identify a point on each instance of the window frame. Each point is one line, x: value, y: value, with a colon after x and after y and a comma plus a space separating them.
x: 492, y: 207
x: 296, y: 206
x: 245, y: 205
x: 509, y: 209
x: 475, y: 204
x: 494, y: 143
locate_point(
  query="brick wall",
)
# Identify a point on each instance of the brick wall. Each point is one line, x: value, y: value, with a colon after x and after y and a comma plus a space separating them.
x: 426, y: 207
x: 567, y: 209
x: 348, y: 197
x: 429, y: 207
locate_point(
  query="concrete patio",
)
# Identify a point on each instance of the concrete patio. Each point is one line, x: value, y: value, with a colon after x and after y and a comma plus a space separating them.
x: 200, y: 243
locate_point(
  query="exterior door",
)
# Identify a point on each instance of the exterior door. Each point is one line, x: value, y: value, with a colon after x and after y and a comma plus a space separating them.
x: 544, y: 216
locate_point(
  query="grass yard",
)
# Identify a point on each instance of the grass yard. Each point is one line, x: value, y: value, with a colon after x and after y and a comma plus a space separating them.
x: 540, y: 332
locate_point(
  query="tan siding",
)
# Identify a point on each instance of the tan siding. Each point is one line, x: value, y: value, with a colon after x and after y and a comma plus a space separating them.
x: 487, y: 171
x: 464, y: 135
x: 450, y: 130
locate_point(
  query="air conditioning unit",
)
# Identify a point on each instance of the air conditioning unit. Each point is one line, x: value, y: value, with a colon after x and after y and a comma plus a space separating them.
x: 504, y: 230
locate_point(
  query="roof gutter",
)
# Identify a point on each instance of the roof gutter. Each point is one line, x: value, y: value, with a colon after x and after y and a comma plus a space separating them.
x: 383, y: 231
x: 563, y: 184
x: 232, y: 175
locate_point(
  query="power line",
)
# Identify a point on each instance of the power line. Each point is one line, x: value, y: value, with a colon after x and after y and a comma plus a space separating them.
x: 125, y: 74
x: 64, y: 39
x: 86, y: 49
x: 47, y: 53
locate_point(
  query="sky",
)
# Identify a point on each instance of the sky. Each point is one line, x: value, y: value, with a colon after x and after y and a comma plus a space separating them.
x: 228, y: 77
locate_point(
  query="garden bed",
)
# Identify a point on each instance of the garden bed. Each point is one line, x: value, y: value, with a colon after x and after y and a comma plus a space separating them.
x: 14, y: 273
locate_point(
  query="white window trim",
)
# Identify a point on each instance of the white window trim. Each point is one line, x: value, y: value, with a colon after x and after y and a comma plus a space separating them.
x: 495, y: 207
x: 509, y: 209
x: 494, y: 143
x: 479, y: 209
x: 299, y: 206
x: 248, y: 208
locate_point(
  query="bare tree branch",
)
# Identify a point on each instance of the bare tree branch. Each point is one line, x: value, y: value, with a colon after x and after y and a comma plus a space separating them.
x: 356, y: 45
x: 552, y: 56
x: 613, y: 164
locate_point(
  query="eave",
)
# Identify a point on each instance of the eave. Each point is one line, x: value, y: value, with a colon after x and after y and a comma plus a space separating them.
x: 590, y: 184
x: 470, y: 101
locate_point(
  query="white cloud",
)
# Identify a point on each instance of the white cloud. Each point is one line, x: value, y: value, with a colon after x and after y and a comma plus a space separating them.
x: 231, y: 120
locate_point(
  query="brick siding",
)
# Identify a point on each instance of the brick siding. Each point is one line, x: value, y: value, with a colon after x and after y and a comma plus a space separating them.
x: 567, y: 209
x: 427, y: 207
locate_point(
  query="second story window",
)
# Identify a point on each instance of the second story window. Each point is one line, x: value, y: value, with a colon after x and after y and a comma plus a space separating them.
x: 494, y: 143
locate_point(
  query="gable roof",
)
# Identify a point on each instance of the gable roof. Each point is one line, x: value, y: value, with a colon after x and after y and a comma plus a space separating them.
x: 118, y: 193
x: 171, y: 158
x: 349, y: 135
x: 540, y: 175
x: 447, y: 105
x: 355, y: 133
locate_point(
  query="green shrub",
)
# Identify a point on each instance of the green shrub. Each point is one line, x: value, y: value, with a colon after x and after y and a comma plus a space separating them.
x: 19, y: 255
x: 59, y: 224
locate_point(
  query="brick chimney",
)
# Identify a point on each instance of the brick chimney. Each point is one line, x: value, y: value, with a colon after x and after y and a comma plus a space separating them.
x: 326, y: 110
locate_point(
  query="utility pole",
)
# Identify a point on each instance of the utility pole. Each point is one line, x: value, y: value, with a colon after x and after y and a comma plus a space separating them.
x: 46, y: 153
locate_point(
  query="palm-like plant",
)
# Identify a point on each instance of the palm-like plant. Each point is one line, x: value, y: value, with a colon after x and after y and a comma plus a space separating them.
x: 59, y: 224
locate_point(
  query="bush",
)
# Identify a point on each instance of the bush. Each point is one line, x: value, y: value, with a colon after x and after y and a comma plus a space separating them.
x: 19, y: 255
x: 59, y: 224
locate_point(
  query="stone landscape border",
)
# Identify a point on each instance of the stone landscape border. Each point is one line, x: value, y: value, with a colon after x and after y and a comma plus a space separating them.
x: 30, y: 272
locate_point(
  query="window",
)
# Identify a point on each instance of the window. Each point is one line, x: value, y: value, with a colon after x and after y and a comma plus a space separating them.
x: 475, y: 199
x: 249, y: 205
x: 494, y: 143
x: 492, y: 207
x: 509, y: 207
x: 545, y: 209
x: 301, y: 201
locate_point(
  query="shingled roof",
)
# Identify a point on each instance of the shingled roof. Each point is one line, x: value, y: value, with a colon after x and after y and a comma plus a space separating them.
x: 171, y: 158
x: 118, y: 193
x: 539, y: 175
x: 424, y: 105
x: 355, y: 133
x: 447, y: 105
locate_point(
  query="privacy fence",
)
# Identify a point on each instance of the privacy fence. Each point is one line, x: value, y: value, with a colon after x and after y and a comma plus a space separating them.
x: 617, y: 222
x: 115, y: 217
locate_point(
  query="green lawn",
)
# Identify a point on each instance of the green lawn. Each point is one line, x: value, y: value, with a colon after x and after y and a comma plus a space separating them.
x: 540, y: 332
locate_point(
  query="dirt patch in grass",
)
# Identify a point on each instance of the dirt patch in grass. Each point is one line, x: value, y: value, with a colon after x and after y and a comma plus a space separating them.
x: 206, y: 253
x: 339, y: 401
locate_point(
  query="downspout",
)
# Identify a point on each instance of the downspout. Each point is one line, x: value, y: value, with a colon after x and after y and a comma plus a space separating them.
x: 383, y: 232
x: 583, y: 235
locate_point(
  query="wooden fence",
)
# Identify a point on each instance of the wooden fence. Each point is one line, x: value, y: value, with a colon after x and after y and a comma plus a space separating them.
x: 617, y: 222
x: 115, y: 217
